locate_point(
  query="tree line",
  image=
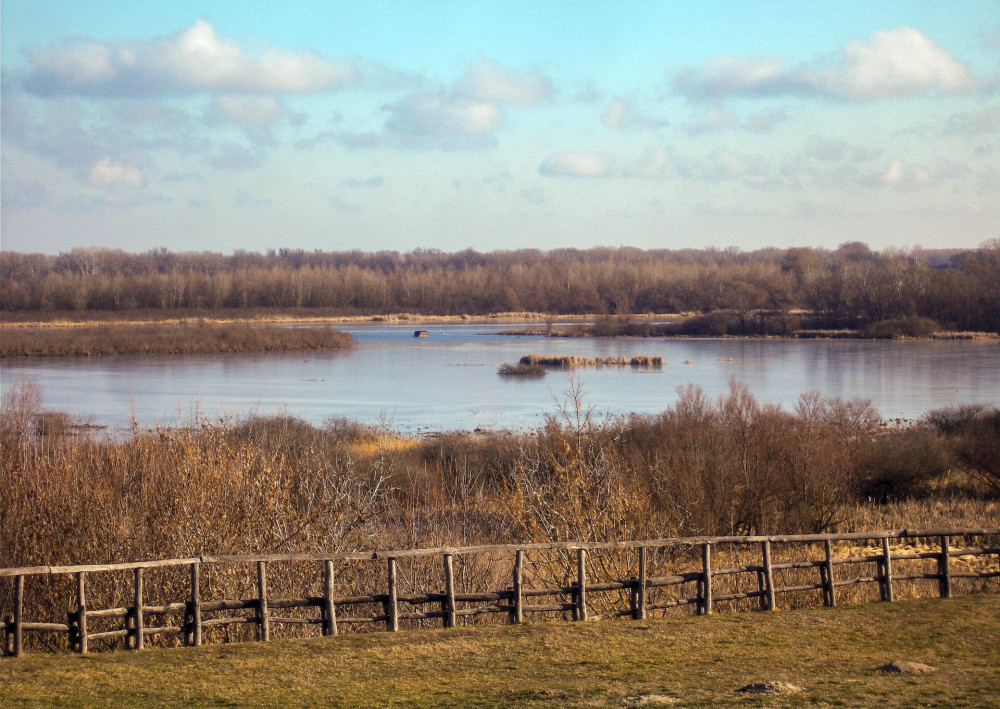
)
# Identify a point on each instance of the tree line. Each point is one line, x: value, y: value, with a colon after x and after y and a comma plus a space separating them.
x: 847, y: 287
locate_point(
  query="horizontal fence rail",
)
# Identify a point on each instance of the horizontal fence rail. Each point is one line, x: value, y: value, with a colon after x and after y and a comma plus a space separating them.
x: 508, y: 582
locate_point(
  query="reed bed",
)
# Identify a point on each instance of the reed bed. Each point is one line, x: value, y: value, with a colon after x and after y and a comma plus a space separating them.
x: 188, y: 337
x: 571, y: 361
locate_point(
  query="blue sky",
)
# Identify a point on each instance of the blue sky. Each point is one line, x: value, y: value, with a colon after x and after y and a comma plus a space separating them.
x: 448, y: 125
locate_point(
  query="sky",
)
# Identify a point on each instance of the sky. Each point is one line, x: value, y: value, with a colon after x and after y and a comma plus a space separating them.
x: 402, y: 125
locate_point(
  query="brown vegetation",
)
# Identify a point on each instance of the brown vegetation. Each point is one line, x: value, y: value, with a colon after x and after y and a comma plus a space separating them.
x: 727, y: 466
x: 521, y: 370
x: 570, y: 361
x: 751, y: 293
x: 164, y: 338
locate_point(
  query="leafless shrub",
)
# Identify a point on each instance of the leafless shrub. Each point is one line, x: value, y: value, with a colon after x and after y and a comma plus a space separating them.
x: 973, y: 434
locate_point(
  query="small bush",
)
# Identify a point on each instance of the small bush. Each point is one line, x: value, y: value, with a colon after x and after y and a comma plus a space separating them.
x: 973, y: 434
x: 52, y: 423
x: 646, y: 361
x: 954, y: 419
x: 710, y: 325
x: 521, y: 370
x: 903, y: 327
x: 902, y: 465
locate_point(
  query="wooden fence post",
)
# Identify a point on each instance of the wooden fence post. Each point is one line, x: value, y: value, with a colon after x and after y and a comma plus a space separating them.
x: 449, y: 590
x: 706, y: 578
x: 640, y: 591
x: 392, y: 603
x: 829, y: 585
x: 770, y: 601
x: 517, y: 612
x: 886, y: 571
x: 138, y: 642
x: 329, y: 610
x: 81, y: 613
x: 18, y: 615
x: 194, y: 604
x: 581, y: 584
x: 265, y: 626
x: 944, y: 568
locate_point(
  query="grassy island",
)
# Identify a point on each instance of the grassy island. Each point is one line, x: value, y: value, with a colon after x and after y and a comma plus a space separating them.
x: 184, y: 337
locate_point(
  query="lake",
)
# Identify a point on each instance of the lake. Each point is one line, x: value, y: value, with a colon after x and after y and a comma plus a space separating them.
x: 449, y: 381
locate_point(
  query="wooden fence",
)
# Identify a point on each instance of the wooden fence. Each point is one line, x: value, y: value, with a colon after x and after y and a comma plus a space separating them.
x: 624, y: 582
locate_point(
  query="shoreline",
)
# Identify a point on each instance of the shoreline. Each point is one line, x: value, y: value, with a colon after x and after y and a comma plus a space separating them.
x: 63, y: 319
x: 570, y: 326
x: 799, y: 335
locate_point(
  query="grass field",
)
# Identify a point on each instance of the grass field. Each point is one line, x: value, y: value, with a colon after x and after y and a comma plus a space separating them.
x: 685, y: 661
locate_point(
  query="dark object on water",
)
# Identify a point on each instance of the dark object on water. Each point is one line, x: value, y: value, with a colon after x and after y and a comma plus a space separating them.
x: 421, y: 333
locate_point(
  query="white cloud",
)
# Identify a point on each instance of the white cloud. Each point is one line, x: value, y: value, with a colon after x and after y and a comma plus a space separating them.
x: 232, y: 156
x: 975, y: 123
x: 191, y: 61
x: 899, y: 174
x: 716, y: 118
x: 729, y: 75
x: 442, y: 122
x: 721, y: 165
x: 464, y: 116
x: 25, y: 195
x: 764, y: 121
x: 615, y: 113
x: 578, y: 164
x: 533, y: 195
x: 243, y: 198
x: 367, y: 183
x: 490, y: 82
x: 107, y: 173
x: 622, y: 115
x: 651, y: 164
x: 250, y: 110
x: 902, y: 62
x: 890, y: 63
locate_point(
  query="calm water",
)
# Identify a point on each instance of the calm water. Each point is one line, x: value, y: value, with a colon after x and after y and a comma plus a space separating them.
x: 449, y: 381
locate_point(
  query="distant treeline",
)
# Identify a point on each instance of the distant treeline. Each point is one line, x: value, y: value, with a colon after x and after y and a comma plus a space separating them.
x: 851, y: 286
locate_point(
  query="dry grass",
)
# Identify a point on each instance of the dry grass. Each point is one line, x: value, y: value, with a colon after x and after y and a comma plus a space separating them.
x: 832, y: 654
x: 571, y: 361
x: 521, y: 370
x: 185, y: 337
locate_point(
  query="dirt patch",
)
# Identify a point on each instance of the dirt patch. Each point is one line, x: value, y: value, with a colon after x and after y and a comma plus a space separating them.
x: 906, y: 667
x: 770, y: 688
x: 649, y: 700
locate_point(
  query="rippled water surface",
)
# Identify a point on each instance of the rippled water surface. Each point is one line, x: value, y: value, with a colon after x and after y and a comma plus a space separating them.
x: 449, y: 380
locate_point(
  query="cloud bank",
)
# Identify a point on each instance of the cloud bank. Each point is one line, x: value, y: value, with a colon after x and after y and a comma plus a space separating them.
x: 194, y: 60
x: 891, y: 63
x: 463, y: 116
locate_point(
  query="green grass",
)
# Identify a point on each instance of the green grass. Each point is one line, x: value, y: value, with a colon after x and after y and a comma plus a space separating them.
x: 695, y: 661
